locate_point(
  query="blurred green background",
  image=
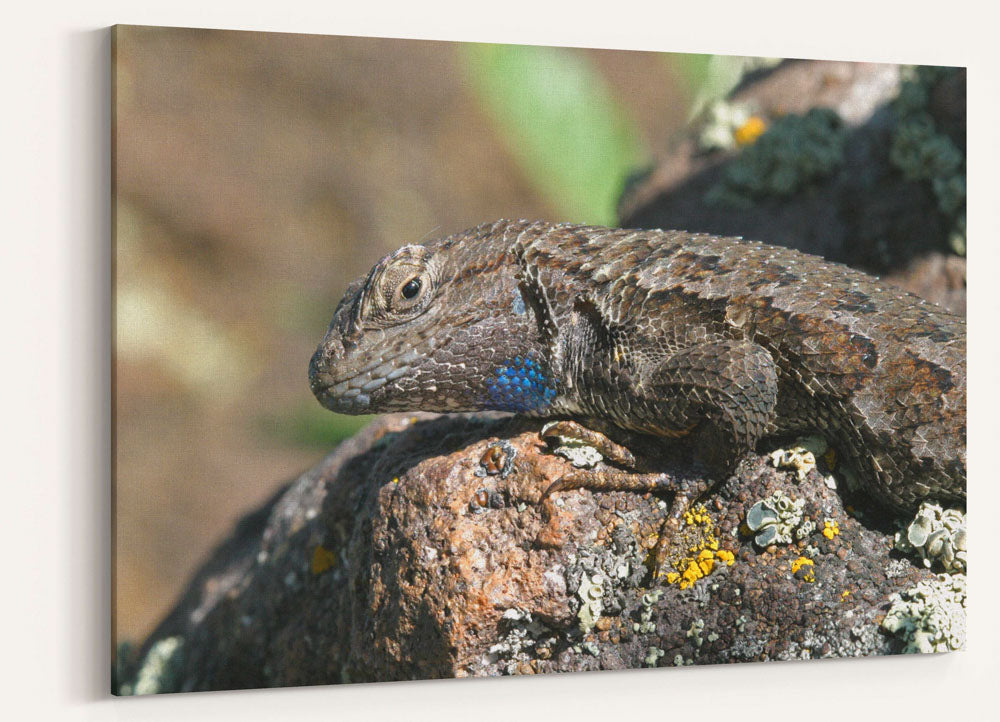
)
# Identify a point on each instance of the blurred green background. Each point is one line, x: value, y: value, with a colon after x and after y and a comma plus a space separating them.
x: 256, y: 174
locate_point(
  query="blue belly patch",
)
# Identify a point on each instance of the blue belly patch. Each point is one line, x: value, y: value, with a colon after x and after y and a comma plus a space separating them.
x: 519, y: 386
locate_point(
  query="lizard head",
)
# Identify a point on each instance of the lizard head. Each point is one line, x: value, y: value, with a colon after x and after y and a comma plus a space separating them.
x: 443, y: 326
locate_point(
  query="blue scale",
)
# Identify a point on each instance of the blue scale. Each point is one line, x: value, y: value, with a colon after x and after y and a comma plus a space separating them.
x: 519, y: 386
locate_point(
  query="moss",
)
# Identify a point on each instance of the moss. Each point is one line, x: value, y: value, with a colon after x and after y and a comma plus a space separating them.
x: 923, y: 153
x: 795, y: 151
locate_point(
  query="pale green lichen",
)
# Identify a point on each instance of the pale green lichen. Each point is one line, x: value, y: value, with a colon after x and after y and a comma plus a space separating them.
x: 694, y: 632
x: 931, y: 616
x: 645, y: 625
x: 778, y: 519
x: 923, y: 153
x: 591, y: 594
x: 653, y: 656
x: 524, y: 638
x: 581, y: 456
x: 722, y: 120
x: 159, y: 670
x: 795, y: 151
x: 801, y: 457
x: 938, y: 536
x: 579, y: 453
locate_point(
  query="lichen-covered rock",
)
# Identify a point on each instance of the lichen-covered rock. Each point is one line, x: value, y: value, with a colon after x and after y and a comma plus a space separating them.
x: 860, y: 163
x: 930, y: 617
x: 421, y: 548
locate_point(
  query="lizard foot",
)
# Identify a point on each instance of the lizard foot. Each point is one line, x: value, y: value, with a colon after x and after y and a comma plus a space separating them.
x: 614, y: 480
x: 686, y: 492
x: 572, y: 432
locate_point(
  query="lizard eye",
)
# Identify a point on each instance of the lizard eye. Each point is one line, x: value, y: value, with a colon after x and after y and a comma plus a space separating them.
x: 409, y: 293
x: 400, y: 287
x: 410, y: 289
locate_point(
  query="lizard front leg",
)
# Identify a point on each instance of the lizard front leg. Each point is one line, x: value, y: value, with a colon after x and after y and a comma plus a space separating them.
x: 720, y: 395
x: 724, y: 391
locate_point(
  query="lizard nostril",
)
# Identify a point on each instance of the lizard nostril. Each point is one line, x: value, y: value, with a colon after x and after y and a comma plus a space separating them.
x: 320, y: 363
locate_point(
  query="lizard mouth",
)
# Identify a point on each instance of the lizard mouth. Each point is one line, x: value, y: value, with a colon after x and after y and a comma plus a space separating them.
x: 347, y: 390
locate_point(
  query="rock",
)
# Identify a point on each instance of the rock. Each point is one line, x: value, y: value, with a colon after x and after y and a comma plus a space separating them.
x: 399, y: 556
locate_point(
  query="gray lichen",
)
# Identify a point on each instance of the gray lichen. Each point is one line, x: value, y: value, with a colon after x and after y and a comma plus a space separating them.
x: 604, y: 578
x: 931, y: 616
x: 938, y: 535
x: 524, y: 638
x: 778, y: 520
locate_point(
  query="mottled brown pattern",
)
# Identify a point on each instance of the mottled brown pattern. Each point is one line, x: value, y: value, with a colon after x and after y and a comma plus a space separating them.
x: 656, y: 331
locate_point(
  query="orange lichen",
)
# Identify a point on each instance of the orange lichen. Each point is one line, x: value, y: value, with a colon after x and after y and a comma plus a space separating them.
x: 750, y: 131
x: 322, y: 560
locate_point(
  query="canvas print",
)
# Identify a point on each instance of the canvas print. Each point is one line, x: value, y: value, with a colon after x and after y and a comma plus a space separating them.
x: 444, y: 359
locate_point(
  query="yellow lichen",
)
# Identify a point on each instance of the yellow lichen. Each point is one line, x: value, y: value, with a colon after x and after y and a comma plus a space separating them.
x: 724, y: 555
x: 750, y: 131
x: 702, y: 549
x: 322, y: 559
x: 706, y: 560
x: 804, y: 562
x: 691, y: 575
x: 831, y: 529
x: 845, y: 594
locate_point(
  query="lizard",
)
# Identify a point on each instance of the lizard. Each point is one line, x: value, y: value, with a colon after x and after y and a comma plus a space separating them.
x: 673, y: 335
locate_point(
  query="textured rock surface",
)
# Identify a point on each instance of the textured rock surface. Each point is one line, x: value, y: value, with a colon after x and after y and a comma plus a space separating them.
x: 400, y: 557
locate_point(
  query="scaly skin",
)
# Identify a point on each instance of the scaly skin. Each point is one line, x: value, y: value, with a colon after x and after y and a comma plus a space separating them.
x: 666, y: 333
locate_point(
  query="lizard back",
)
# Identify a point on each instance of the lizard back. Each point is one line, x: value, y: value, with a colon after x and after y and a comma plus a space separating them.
x: 877, y: 370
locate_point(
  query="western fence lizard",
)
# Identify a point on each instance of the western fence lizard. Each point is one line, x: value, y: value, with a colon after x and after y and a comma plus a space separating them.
x: 665, y: 333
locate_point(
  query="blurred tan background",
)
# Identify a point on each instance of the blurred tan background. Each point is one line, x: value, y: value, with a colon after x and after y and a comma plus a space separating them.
x: 256, y: 175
